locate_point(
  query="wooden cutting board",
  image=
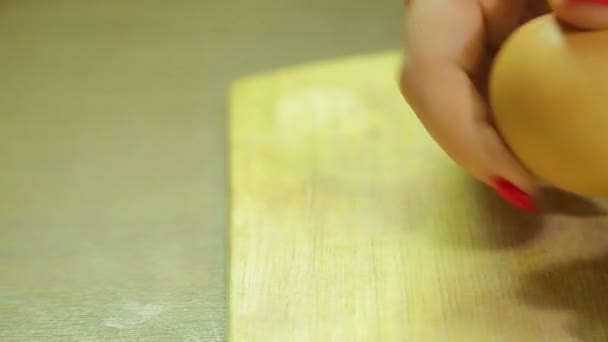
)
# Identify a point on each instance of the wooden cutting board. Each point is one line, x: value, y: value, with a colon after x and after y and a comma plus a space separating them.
x: 349, y: 224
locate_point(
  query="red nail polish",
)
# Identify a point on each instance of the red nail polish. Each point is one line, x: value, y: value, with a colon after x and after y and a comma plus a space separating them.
x: 591, y: 2
x: 514, y: 195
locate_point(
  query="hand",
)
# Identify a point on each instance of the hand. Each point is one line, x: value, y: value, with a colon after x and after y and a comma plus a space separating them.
x: 449, y: 49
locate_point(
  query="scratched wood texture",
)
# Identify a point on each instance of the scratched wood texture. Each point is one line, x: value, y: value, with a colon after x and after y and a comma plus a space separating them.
x: 349, y: 224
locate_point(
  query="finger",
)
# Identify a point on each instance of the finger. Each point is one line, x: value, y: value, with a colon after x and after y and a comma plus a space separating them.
x: 444, y: 47
x: 501, y: 18
x: 454, y: 113
x: 586, y: 14
x: 452, y: 30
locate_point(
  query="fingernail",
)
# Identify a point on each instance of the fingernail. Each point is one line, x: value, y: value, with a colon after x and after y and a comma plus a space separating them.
x: 514, y: 195
x: 594, y: 2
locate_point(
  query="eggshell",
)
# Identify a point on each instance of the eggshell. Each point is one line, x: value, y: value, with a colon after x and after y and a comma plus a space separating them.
x: 549, y: 97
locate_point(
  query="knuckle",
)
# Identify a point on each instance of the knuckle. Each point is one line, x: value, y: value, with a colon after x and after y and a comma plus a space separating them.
x: 412, y: 81
x: 407, y: 78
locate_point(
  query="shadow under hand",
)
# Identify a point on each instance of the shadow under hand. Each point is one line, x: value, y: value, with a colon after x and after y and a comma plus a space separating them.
x: 490, y: 222
x: 554, y: 201
x: 500, y: 224
x: 580, y: 287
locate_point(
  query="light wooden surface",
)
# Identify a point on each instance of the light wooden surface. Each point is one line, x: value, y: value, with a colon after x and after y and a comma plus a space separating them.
x: 349, y: 224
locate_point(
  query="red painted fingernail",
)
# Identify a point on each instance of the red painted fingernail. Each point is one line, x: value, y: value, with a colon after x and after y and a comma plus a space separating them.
x: 595, y: 2
x: 514, y: 195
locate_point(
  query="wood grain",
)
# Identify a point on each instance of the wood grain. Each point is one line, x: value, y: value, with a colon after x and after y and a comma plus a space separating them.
x: 349, y: 224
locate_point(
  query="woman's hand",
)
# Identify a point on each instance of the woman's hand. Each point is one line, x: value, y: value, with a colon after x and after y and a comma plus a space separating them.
x: 449, y: 48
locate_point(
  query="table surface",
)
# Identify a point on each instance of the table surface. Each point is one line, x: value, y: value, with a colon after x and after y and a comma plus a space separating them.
x: 349, y: 224
x: 113, y: 198
x: 112, y: 201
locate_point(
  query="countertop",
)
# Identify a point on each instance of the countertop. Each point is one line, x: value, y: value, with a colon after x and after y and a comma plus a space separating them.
x: 113, y: 198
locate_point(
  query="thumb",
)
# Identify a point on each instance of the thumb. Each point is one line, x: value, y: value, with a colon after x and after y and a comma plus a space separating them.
x: 585, y: 14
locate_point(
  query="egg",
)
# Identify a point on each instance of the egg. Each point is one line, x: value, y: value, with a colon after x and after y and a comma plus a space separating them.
x: 548, y: 92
